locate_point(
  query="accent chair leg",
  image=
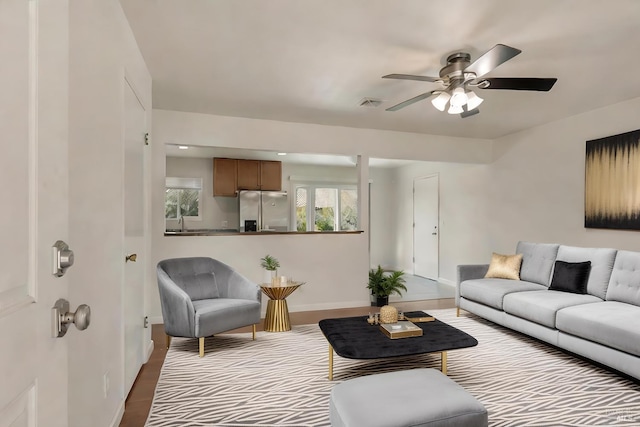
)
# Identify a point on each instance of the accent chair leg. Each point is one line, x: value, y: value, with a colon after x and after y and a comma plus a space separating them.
x: 168, y: 341
x: 457, y: 311
x: 201, y: 340
x: 254, y: 331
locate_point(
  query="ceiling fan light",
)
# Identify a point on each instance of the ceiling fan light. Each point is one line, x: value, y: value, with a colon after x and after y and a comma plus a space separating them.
x: 458, y: 97
x: 473, y: 100
x: 441, y: 100
x: 455, y: 109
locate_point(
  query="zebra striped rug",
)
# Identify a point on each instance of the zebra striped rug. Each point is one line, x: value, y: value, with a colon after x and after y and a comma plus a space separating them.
x: 281, y: 380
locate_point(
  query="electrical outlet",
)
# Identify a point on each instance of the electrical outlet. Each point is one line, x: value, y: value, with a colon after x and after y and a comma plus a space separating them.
x: 225, y: 224
x: 105, y: 384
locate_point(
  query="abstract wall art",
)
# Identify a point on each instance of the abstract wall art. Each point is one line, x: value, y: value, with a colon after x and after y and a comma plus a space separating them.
x: 612, y: 182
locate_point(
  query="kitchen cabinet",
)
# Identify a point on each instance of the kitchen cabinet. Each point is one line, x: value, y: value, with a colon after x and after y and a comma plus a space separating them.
x: 248, y: 175
x: 263, y: 175
x: 225, y: 177
x: 232, y: 175
x: 270, y: 175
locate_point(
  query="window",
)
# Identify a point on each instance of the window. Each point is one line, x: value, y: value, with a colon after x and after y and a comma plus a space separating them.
x: 182, y: 198
x: 322, y: 207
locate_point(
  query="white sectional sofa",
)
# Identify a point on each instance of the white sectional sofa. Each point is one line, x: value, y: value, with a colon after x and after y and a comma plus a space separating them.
x: 602, y: 324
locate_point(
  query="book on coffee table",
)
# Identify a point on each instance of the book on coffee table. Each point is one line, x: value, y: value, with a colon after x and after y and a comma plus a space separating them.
x: 401, y: 329
x: 421, y: 319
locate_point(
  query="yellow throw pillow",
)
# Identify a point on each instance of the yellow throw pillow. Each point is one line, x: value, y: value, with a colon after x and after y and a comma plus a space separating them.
x: 505, y: 266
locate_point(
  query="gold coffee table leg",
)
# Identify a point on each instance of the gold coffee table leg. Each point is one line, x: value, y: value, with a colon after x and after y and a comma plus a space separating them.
x: 443, y: 362
x: 330, y: 363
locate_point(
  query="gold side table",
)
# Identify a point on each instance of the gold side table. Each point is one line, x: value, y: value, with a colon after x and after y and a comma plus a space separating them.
x: 277, y: 317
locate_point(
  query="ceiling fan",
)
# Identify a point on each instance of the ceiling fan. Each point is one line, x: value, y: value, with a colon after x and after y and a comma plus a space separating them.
x: 460, y: 75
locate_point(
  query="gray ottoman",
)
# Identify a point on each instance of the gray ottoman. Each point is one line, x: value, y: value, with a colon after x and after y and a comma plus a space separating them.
x: 415, y: 398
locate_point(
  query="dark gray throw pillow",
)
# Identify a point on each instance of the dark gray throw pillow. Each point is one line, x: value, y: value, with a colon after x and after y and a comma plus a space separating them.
x: 571, y: 277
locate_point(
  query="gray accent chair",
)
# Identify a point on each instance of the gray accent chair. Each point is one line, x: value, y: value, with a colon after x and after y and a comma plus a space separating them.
x: 202, y: 296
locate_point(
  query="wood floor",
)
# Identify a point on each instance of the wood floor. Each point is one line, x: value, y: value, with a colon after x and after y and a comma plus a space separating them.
x: 139, y: 401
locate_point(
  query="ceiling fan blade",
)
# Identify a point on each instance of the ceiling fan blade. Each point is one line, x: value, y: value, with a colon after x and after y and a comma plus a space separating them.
x: 411, y: 77
x: 410, y: 101
x: 468, y: 113
x: 495, y: 56
x: 520, y: 83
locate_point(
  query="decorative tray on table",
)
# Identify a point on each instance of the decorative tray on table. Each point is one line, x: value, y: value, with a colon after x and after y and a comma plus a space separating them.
x: 401, y: 329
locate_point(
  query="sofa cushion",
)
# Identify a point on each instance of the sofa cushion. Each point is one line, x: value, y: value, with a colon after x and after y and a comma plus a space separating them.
x: 537, y: 261
x: 492, y: 291
x: 541, y: 306
x: 570, y: 277
x: 223, y: 314
x: 504, y: 266
x: 601, y: 265
x: 624, y: 285
x: 611, y: 323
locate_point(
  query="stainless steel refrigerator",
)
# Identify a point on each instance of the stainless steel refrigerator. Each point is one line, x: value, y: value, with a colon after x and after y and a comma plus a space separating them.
x: 263, y: 211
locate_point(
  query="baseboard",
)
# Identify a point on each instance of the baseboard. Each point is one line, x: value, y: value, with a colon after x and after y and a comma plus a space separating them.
x: 329, y: 306
x: 150, y: 348
x: 446, y: 281
x: 118, y: 416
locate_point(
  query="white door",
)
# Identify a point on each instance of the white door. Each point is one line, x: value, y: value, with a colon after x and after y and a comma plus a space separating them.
x: 33, y: 213
x: 425, y: 227
x: 134, y: 141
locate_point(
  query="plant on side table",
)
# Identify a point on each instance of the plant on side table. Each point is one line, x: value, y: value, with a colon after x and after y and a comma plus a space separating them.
x: 271, y: 265
x: 382, y: 284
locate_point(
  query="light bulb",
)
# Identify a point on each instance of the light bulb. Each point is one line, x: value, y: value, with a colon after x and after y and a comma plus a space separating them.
x: 455, y: 109
x: 441, y: 101
x: 473, y: 100
x: 458, y: 97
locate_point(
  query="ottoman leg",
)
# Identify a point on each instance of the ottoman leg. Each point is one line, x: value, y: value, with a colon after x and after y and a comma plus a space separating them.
x: 330, y: 363
x: 443, y: 362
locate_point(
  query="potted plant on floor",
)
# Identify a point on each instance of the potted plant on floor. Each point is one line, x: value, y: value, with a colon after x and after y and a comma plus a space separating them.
x: 271, y: 265
x: 382, y: 284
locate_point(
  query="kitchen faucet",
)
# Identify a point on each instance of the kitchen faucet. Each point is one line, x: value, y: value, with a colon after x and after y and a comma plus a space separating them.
x: 181, y: 222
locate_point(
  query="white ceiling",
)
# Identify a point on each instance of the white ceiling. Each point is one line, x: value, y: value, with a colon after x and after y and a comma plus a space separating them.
x: 313, y: 61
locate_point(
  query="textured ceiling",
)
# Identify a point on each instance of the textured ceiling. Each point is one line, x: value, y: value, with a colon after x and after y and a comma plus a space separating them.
x: 313, y: 61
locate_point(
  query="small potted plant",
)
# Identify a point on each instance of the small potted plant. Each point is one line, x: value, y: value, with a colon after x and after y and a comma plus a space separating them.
x: 271, y: 265
x: 382, y: 284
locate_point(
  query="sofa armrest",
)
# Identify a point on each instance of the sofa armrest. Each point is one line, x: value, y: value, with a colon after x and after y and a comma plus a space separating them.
x: 178, y: 314
x: 469, y: 271
x: 242, y: 288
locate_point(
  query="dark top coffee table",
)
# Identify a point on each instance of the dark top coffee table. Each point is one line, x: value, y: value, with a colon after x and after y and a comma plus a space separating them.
x: 354, y: 338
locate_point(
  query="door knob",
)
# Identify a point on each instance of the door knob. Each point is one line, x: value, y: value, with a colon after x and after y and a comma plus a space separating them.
x: 131, y: 258
x: 62, y: 258
x: 61, y: 318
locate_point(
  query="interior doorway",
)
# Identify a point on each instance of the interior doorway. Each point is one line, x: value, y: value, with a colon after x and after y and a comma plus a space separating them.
x: 135, y: 129
x: 426, y: 226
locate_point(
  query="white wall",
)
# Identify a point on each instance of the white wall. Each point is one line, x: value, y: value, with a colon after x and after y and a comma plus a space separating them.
x: 334, y: 266
x: 463, y: 215
x: 102, y: 52
x: 383, y: 217
x: 537, y: 182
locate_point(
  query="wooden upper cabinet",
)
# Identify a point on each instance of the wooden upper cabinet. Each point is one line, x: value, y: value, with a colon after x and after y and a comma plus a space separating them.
x: 270, y: 175
x: 248, y: 175
x: 225, y: 177
x: 232, y: 175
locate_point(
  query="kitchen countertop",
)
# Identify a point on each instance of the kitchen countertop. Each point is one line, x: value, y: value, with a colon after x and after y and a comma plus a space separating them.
x: 232, y: 232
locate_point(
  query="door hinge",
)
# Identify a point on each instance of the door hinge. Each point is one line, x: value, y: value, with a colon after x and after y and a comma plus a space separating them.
x: 146, y: 321
x: 146, y: 138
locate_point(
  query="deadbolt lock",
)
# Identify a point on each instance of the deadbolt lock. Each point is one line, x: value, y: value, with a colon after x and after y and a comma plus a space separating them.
x: 61, y: 318
x: 62, y: 258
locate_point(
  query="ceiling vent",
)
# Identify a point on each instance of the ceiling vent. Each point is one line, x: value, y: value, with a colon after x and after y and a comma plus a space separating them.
x: 370, y: 102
